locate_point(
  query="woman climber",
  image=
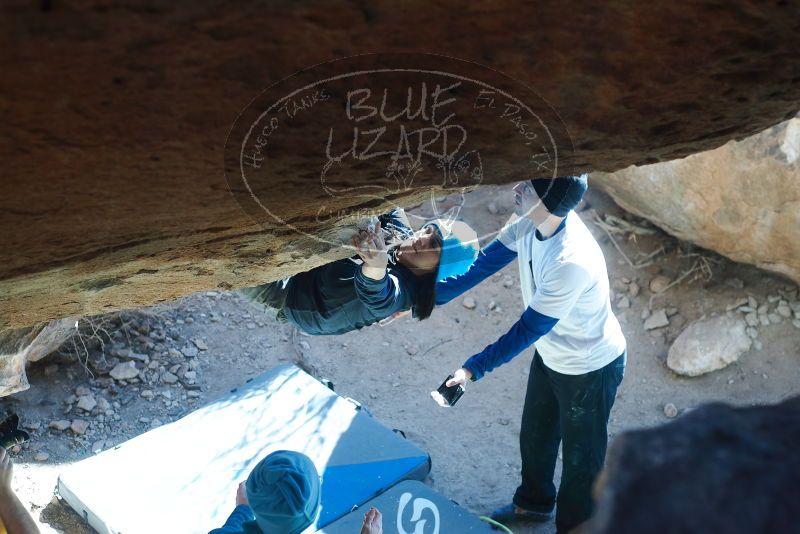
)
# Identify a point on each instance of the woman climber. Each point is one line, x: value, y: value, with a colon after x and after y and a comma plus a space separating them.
x: 379, y: 282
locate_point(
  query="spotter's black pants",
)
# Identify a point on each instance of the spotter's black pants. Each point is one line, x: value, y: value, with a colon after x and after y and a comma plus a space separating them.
x: 573, y: 409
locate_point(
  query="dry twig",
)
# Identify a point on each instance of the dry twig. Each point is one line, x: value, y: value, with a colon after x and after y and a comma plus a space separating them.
x: 435, y: 345
x: 700, y: 269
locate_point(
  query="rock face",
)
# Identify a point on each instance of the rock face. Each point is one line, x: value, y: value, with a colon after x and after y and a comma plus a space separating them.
x: 115, y: 121
x: 707, y: 345
x: 19, y: 346
x: 681, y: 475
x: 741, y: 200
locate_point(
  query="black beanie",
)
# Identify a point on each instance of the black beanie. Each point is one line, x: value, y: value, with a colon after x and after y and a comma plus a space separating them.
x: 560, y: 195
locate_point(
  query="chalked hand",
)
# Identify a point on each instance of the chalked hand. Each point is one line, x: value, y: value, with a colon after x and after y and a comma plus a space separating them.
x: 371, y: 248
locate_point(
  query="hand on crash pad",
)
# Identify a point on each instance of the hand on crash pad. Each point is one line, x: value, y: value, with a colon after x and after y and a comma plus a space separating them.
x: 241, y: 495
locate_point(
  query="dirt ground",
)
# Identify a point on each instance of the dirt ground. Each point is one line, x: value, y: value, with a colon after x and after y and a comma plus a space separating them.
x: 220, y: 341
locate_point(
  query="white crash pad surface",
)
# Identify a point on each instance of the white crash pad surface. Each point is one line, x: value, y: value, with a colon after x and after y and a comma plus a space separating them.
x: 182, y: 477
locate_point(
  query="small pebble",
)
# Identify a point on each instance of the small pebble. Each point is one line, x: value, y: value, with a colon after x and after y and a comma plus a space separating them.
x: 124, y: 371
x: 79, y: 426
x: 468, y: 303
x: 411, y: 349
x: 670, y: 410
x: 61, y: 424
x: 784, y: 310
x: 169, y: 378
x: 189, y: 352
x: 633, y: 289
x: 31, y: 425
x: 735, y: 283
x: 659, y: 284
x: 87, y: 403
x: 657, y: 320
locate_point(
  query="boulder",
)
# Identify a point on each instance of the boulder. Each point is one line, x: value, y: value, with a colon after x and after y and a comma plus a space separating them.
x: 707, y: 345
x: 29, y: 344
x: 113, y: 192
x: 741, y: 200
x: 717, y: 469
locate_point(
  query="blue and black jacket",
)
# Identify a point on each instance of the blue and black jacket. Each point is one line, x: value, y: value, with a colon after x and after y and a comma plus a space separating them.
x: 337, y: 298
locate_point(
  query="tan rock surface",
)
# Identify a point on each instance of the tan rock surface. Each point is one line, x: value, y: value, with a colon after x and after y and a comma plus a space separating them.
x: 115, y: 118
x: 29, y: 344
x: 741, y: 199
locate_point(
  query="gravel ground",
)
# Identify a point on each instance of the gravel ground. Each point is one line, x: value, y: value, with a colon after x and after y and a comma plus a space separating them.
x: 191, y: 351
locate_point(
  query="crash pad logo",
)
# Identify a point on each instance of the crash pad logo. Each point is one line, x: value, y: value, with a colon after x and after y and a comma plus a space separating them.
x: 418, y: 508
x: 352, y: 139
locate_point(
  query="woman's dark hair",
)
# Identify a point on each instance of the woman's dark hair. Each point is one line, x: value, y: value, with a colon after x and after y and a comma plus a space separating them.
x: 425, y: 287
x: 424, y: 295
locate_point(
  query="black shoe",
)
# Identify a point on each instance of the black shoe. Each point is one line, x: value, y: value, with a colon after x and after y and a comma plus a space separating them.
x: 509, y: 514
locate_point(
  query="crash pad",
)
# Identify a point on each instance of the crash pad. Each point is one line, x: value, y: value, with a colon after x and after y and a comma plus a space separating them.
x: 182, y: 477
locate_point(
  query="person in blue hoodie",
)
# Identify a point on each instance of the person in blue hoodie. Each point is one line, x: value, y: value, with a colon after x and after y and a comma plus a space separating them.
x: 379, y: 282
x: 580, y: 351
x: 281, y: 496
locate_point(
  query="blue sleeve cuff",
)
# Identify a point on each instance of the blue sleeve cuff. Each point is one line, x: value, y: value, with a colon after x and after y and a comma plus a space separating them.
x: 370, y: 284
x: 525, y: 332
x: 382, y: 297
x: 491, y: 259
x: 240, y: 515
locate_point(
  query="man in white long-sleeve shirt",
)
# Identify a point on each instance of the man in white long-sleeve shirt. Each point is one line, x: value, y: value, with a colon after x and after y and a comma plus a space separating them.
x: 580, y: 350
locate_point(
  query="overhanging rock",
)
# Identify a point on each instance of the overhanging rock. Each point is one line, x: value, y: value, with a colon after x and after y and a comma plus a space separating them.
x: 115, y: 119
